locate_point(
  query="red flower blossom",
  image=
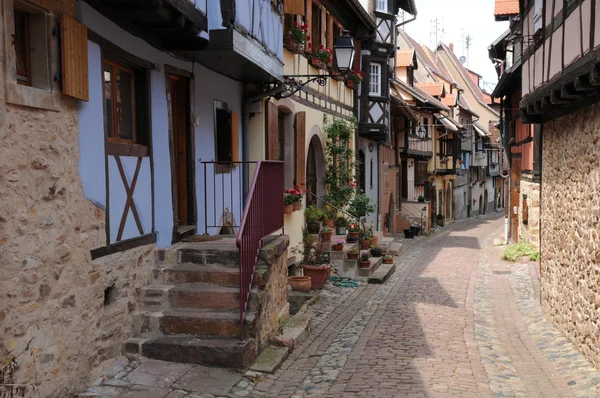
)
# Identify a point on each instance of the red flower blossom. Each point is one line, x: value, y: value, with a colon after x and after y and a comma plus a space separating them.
x: 308, y: 37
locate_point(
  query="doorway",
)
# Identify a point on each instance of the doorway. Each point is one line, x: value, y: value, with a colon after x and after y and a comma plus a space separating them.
x: 315, y: 171
x: 184, y: 210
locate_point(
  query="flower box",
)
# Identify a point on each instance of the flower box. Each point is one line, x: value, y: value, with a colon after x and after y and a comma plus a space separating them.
x: 288, y: 209
x: 318, y: 63
x: 292, y: 45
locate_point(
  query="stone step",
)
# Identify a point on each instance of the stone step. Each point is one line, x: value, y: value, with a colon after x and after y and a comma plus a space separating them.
x: 193, y: 295
x: 222, y: 352
x: 382, y: 274
x: 222, y: 252
x: 367, y: 272
x: 192, y: 322
x: 385, y: 242
x: 195, y: 273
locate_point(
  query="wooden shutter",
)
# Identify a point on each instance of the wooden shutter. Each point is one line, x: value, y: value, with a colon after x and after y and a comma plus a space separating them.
x: 295, y: 7
x: 308, y: 19
x: 330, y: 38
x: 300, y: 130
x: 324, y: 26
x: 235, y: 133
x: 74, y: 58
x: 272, y: 136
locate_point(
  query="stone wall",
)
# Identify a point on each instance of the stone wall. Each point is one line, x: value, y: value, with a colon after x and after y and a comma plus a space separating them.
x: 570, y: 238
x: 271, y: 278
x: 530, y: 232
x: 52, y: 295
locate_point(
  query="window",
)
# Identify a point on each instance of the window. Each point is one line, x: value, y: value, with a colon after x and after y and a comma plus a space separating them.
x: 375, y: 79
x: 316, y: 26
x: 381, y: 5
x: 223, y: 141
x: 537, y: 15
x: 119, y: 103
x: 21, y: 39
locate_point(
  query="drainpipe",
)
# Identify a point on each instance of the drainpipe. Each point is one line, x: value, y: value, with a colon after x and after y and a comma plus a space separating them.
x: 378, y: 189
x: 407, y: 21
x: 246, y: 133
x: 507, y: 206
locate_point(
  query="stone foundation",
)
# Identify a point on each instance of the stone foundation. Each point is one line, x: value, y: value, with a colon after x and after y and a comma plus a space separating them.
x: 570, y: 238
x: 273, y: 287
x: 530, y: 232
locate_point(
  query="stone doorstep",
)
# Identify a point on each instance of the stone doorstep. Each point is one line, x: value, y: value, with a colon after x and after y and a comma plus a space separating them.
x: 222, y: 352
x: 194, y: 273
x: 270, y: 359
x: 382, y: 274
x: 191, y: 322
x: 294, y: 332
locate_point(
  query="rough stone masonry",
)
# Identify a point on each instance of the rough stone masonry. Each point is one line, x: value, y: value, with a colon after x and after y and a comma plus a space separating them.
x: 570, y: 237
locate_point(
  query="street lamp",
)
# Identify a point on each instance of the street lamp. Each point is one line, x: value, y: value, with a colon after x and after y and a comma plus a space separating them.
x: 343, y: 50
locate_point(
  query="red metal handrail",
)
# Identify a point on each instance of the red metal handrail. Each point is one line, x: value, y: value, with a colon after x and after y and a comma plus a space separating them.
x: 263, y: 215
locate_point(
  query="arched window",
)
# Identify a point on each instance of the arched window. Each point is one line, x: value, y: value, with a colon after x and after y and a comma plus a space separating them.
x: 362, y: 170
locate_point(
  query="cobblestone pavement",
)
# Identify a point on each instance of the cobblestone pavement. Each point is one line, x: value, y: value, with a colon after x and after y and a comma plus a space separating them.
x: 453, y: 321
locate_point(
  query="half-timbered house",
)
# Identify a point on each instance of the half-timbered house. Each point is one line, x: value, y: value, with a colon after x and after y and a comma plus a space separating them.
x: 560, y: 88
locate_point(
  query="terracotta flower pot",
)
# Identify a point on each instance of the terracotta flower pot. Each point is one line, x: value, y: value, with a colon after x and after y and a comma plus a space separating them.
x: 353, y: 236
x: 318, y: 274
x: 364, y: 264
x: 326, y: 236
x: 288, y: 209
x: 338, y: 247
x: 317, y: 63
x: 328, y: 223
x: 388, y: 261
x: 365, y: 243
x: 292, y: 45
x: 352, y: 256
x: 351, y: 84
x: 300, y: 283
x: 297, y: 206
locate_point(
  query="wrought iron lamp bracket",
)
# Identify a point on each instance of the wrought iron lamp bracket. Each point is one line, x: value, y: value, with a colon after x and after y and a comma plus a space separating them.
x: 294, y: 83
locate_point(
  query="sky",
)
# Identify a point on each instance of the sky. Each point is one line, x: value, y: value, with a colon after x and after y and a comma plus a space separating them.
x: 457, y: 19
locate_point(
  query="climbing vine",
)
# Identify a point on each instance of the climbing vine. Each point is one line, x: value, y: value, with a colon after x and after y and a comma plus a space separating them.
x: 341, y: 165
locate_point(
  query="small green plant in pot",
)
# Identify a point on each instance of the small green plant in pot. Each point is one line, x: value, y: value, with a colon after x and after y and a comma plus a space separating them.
x: 326, y: 233
x: 376, y: 252
x: 389, y: 259
x: 340, y: 225
x: 365, y: 237
x: 352, y: 254
x: 313, y: 217
x: 363, y: 261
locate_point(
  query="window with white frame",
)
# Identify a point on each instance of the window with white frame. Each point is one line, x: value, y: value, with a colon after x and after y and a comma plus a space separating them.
x: 381, y: 5
x: 375, y: 79
x: 538, y: 7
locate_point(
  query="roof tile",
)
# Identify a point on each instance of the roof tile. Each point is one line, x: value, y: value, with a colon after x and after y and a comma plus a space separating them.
x: 506, y: 7
x: 405, y: 58
x: 435, y: 89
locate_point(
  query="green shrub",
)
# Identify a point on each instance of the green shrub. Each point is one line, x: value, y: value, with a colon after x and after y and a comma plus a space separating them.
x: 521, y: 249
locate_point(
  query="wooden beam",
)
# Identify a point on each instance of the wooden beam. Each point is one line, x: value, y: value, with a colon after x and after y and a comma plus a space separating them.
x: 582, y: 83
x: 568, y: 92
x: 595, y: 76
x: 555, y: 98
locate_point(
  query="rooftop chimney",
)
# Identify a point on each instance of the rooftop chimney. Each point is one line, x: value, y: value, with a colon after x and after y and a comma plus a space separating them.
x: 451, y: 47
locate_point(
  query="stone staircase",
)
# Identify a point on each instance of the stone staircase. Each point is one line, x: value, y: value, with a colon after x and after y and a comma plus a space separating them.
x: 191, y: 310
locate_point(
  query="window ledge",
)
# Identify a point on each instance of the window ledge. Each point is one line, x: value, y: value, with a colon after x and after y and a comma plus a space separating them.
x: 18, y: 94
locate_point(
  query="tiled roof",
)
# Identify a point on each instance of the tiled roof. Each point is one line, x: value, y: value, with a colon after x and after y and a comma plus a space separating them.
x: 506, y: 7
x: 437, y: 65
x: 435, y: 89
x: 449, y: 100
x: 420, y: 95
x: 405, y: 58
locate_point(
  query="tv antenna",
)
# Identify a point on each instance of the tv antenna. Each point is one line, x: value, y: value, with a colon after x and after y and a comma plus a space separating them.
x: 437, y: 32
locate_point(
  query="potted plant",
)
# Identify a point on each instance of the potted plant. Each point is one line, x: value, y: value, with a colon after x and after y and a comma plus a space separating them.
x: 289, y: 199
x: 314, y: 262
x: 352, y: 254
x: 313, y: 216
x: 388, y: 259
x: 354, y: 78
x: 321, y: 57
x: 295, y: 39
x: 421, y: 198
x: 353, y: 233
x: 416, y: 229
x: 340, y: 225
x: 409, y: 234
x: 440, y: 220
x: 376, y: 251
x: 328, y: 216
x: 338, y: 246
x: 326, y: 233
x: 365, y: 236
x: 363, y: 261
x: 299, y: 283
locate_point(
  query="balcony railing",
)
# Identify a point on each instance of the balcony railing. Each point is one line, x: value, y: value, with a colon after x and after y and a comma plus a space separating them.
x: 417, y: 146
x: 415, y: 189
x: 263, y: 215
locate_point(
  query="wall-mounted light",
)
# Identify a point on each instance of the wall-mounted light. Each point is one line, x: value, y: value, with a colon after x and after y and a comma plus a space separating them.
x: 371, y: 147
x: 343, y: 52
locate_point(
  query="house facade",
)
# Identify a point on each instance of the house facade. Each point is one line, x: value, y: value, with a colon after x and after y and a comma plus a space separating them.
x: 560, y: 70
x: 141, y: 138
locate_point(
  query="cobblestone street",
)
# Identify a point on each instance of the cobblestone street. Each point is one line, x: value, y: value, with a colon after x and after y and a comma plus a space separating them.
x: 453, y: 321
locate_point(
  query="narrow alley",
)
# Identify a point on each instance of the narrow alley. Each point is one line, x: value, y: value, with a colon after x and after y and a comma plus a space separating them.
x: 454, y: 320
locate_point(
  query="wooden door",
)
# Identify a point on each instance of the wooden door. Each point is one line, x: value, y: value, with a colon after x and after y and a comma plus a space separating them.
x: 180, y: 128
x: 515, y: 191
x: 405, y: 181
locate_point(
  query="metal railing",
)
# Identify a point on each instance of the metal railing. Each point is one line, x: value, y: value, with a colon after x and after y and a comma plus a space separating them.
x: 263, y: 215
x: 223, y: 198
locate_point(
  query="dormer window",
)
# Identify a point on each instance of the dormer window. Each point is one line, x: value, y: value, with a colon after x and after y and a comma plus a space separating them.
x: 381, y: 5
